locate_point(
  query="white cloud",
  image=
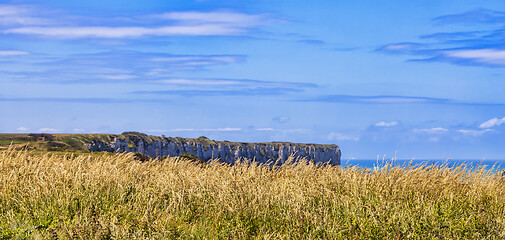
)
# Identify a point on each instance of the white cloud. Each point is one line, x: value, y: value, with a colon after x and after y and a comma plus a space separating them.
x: 33, y: 20
x: 386, y: 124
x: 281, y: 119
x: 157, y: 130
x: 119, y: 66
x: 400, y: 46
x: 78, y: 130
x: 342, y: 137
x: 396, y: 100
x: 206, y: 130
x: 295, y: 130
x: 48, y: 130
x: 437, y: 130
x: 223, y: 59
x: 19, y: 15
x: 183, y: 81
x: 127, y: 32
x: 23, y: 20
x: 22, y: 129
x: 494, y: 122
x: 226, y: 17
x: 10, y: 10
x: 222, y: 129
x: 184, y: 130
x: 490, y: 56
x: 233, y: 83
x: 119, y: 77
x: 12, y: 53
x: 265, y: 129
x: 474, y: 133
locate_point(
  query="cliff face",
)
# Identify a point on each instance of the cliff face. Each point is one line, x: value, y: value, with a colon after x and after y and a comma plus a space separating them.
x: 225, y: 151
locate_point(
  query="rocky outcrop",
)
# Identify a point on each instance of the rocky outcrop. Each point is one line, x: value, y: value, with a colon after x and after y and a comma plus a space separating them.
x: 207, y: 149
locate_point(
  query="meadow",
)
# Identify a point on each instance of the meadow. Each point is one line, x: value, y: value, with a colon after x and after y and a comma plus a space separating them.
x: 116, y: 196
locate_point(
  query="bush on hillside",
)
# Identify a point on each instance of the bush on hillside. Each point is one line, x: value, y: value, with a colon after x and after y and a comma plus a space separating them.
x: 141, y: 157
x: 191, y: 157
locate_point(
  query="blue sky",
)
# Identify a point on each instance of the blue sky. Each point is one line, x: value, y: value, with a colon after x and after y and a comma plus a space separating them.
x: 419, y: 79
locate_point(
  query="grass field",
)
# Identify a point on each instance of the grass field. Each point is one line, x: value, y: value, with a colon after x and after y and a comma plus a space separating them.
x: 114, y: 196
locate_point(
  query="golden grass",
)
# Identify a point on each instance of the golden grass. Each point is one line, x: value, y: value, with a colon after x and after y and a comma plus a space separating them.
x: 117, y: 197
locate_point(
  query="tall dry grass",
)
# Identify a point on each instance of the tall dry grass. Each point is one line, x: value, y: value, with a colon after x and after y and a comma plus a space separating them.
x: 103, y: 197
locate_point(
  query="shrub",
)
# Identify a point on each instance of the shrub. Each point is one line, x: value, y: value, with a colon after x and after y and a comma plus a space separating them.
x: 191, y: 157
x: 141, y: 157
x: 41, y: 136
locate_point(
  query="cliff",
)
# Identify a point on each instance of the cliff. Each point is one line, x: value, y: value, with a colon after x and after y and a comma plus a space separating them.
x: 156, y: 146
x: 206, y: 149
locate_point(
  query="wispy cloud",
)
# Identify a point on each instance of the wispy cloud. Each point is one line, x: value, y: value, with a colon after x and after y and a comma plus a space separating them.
x: 221, y: 16
x: 200, y: 82
x: 494, y: 122
x: 145, y: 60
x: 195, y: 59
x: 469, y: 56
x: 295, y: 130
x: 222, y: 129
x: 473, y: 16
x: 48, y: 130
x: 127, y: 32
x: 227, y: 129
x: 436, y: 130
x: 377, y: 99
x: 281, y: 119
x: 259, y: 91
x: 265, y: 129
x: 489, y: 56
x: 401, y: 47
x: 220, y: 82
x: 468, y: 48
x: 386, y: 124
x: 474, y: 133
x: 119, y: 77
x: 189, y: 87
x: 73, y: 100
x: 224, y: 87
x: 342, y: 137
x: 22, y: 129
x: 23, y: 21
x: 120, y: 66
x: 12, y: 53
x: 20, y: 15
x: 448, y: 36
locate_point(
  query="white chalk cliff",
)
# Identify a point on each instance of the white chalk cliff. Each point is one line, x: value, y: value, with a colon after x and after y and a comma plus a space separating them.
x: 229, y: 152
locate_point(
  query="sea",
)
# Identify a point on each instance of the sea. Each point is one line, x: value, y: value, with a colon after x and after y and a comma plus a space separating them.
x: 495, y: 165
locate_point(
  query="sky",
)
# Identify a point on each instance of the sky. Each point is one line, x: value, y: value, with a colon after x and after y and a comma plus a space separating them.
x: 411, y: 79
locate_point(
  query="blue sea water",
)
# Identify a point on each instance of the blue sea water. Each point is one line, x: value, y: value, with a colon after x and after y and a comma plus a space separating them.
x: 372, y: 163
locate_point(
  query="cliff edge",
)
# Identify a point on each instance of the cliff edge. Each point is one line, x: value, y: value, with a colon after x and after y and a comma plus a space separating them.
x: 207, y: 149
